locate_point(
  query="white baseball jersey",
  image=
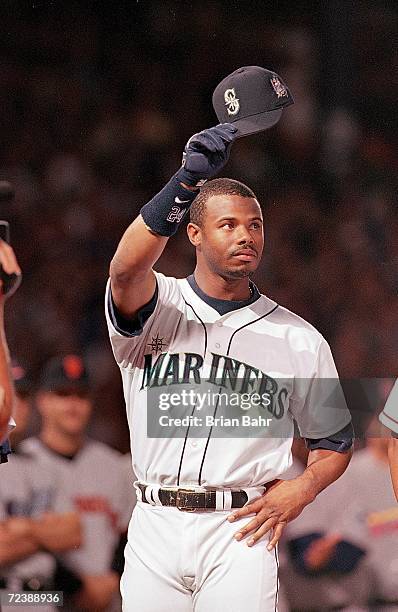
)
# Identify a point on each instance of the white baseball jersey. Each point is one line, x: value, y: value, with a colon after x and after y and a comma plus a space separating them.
x: 389, y: 415
x: 257, y: 347
x: 95, y: 484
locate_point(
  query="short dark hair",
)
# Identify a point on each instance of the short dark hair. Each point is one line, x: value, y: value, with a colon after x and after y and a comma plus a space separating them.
x: 219, y: 186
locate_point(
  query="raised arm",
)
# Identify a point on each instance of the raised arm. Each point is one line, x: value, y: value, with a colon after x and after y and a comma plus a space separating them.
x: 10, y: 266
x: 6, y: 388
x: 132, y: 278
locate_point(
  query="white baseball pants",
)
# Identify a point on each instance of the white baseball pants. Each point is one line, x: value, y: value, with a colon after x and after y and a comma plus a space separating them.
x: 190, y: 562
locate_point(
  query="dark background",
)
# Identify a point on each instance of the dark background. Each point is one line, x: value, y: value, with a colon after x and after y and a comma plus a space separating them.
x: 97, y: 102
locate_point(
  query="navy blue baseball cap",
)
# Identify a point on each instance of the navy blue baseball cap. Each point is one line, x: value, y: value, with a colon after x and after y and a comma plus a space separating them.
x: 65, y: 372
x: 252, y: 99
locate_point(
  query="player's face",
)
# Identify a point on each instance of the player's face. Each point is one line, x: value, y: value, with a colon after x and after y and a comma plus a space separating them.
x: 232, y: 238
x: 67, y: 411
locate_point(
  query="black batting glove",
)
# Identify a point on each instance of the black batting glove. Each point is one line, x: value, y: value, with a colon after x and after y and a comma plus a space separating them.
x: 205, y: 154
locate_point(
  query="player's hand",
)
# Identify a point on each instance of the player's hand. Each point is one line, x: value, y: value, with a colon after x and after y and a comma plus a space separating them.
x: 18, y: 526
x: 279, y: 505
x: 319, y: 552
x: 58, y: 532
x: 98, y: 591
x: 206, y: 153
x: 10, y: 272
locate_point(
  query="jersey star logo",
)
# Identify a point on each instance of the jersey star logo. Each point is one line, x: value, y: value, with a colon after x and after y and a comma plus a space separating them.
x: 157, y: 344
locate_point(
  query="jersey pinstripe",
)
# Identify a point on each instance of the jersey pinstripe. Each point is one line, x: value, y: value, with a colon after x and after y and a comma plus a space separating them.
x: 185, y: 334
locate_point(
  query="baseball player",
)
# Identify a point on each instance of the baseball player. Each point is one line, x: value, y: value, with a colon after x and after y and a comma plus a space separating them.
x: 37, y: 521
x: 90, y: 475
x: 190, y: 543
x: 389, y: 418
x: 320, y: 569
x: 370, y: 517
x: 8, y: 266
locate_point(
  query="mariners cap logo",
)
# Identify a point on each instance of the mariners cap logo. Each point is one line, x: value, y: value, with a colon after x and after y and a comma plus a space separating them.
x: 231, y: 101
x: 278, y: 87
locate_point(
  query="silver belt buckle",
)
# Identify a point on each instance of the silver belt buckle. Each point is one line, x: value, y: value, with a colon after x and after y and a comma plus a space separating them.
x: 182, y: 499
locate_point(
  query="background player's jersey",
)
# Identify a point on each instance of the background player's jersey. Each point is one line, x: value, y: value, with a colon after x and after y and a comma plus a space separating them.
x: 370, y: 518
x: 95, y: 484
x: 130, y: 478
x: 27, y: 490
x: 389, y: 415
x: 319, y: 589
x: 257, y: 346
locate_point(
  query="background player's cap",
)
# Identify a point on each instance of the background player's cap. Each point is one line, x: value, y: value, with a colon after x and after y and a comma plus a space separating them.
x: 251, y: 98
x: 64, y: 373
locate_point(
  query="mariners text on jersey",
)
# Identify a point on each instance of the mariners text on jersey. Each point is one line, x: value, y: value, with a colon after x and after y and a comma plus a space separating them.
x: 225, y: 372
x: 259, y: 348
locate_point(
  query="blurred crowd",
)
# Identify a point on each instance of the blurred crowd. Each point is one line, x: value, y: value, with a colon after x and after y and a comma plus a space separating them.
x: 97, y: 104
x: 96, y: 108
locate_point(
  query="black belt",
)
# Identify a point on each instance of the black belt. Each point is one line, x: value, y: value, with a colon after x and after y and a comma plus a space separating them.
x: 188, y: 500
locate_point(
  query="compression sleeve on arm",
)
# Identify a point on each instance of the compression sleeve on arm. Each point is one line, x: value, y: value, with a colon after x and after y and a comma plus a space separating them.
x: 131, y: 327
x: 164, y: 213
x: 340, y: 442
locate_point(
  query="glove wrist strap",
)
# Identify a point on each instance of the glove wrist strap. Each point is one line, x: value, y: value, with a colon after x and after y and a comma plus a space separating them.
x: 190, y: 178
x: 164, y: 213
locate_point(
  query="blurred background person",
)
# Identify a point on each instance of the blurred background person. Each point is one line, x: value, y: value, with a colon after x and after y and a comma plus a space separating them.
x: 37, y: 520
x: 389, y: 418
x: 319, y: 570
x: 90, y: 475
x: 370, y: 517
x: 8, y: 266
x: 343, y: 552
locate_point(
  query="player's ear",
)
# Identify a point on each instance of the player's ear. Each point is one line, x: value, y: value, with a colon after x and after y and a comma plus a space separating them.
x: 194, y: 234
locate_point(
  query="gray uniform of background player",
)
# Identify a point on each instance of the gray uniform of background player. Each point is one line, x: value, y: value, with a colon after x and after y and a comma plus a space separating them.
x: 370, y: 519
x: 95, y: 484
x: 326, y: 590
x: 361, y: 508
x: 27, y: 490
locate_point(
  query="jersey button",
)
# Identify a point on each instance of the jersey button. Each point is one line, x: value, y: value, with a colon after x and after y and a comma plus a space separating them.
x: 194, y: 443
x: 217, y: 345
x: 219, y: 324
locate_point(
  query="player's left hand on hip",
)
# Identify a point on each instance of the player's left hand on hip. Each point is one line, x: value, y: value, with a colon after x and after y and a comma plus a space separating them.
x: 279, y: 505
